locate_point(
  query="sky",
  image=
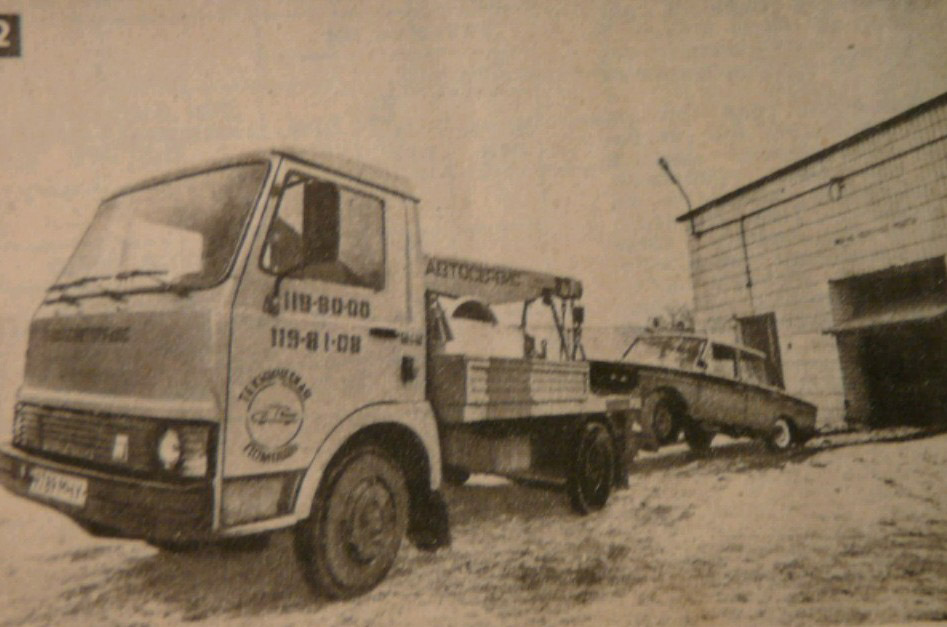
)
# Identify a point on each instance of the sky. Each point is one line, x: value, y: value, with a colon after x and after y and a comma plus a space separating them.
x: 531, y: 130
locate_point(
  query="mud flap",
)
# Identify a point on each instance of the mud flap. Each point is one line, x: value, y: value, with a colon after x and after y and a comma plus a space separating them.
x: 627, y: 444
x: 429, y: 527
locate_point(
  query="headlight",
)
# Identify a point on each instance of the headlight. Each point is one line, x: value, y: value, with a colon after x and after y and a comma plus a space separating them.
x: 169, y: 449
x: 194, y: 445
x: 184, y: 449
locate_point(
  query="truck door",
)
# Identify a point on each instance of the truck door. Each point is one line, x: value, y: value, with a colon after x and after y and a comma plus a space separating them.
x: 323, y: 326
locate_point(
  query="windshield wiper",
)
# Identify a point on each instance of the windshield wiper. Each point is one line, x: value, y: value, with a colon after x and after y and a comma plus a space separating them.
x: 128, y: 274
x: 58, y: 287
x: 162, y: 286
x: 63, y: 298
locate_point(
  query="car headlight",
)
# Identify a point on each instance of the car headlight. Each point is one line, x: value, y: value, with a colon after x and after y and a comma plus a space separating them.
x: 169, y: 449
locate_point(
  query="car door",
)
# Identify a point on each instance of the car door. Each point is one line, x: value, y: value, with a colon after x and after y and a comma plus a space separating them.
x: 322, y: 321
x: 722, y: 398
x: 762, y: 398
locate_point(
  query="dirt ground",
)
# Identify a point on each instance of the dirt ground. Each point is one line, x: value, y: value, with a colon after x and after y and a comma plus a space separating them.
x: 850, y: 529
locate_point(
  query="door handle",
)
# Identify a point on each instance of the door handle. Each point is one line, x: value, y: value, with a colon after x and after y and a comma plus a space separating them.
x: 384, y: 333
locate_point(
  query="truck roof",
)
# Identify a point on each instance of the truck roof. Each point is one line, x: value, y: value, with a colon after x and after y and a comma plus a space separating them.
x: 494, y: 284
x: 337, y: 164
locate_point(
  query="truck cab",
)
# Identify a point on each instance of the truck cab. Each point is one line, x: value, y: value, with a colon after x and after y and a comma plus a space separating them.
x: 244, y: 346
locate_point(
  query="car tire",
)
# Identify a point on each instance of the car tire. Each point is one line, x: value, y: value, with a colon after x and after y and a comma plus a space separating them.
x: 593, y: 468
x: 664, y: 417
x: 782, y: 436
x: 358, y: 520
x: 697, y: 437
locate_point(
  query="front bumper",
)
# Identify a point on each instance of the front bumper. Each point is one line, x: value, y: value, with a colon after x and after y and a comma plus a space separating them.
x: 135, y: 508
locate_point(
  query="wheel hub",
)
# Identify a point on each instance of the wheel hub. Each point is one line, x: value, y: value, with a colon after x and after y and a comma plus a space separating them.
x: 370, y: 520
x: 783, y: 435
x: 662, y: 420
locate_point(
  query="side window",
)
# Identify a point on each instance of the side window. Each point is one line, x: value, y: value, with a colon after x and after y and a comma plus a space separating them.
x: 325, y: 232
x: 723, y: 361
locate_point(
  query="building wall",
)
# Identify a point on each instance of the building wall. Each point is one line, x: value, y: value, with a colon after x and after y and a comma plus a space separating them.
x: 878, y: 202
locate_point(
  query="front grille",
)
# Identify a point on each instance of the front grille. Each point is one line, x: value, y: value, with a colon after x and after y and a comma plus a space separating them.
x: 96, y: 439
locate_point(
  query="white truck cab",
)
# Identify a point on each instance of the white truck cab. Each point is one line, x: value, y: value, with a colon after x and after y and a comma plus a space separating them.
x: 247, y: 346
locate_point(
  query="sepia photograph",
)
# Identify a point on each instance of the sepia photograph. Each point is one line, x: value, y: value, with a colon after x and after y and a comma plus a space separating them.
x: 446, y: 312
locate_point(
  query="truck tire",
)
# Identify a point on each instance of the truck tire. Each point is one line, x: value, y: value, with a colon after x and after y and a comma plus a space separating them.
x: 664, y: 417
x: 593, y: 468
x: 783, y: 436
x: 697, y: 437
x: 358, y: 520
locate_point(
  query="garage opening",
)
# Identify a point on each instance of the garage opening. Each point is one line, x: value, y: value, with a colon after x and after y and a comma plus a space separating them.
x: 891, y: 330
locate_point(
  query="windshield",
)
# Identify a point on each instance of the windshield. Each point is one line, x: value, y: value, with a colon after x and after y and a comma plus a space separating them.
x: 670, y: 352
x: 179, y: 232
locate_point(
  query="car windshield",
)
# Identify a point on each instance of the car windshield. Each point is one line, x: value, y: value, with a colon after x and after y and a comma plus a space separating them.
x: 183, y: 231
x: 668, y: 351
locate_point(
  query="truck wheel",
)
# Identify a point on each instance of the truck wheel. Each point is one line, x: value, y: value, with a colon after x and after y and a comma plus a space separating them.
x: 593, y: 469
x: 697, y: 437
x: 455, y: 476
x: 359, y: 517
x: 664, y: 417
x: 783, y: 435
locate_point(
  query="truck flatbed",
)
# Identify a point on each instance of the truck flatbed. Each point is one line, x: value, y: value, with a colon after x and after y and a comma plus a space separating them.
x: 469, y: 388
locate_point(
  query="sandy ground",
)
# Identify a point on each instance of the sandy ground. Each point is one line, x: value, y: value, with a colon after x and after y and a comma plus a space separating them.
x: 850, y: 529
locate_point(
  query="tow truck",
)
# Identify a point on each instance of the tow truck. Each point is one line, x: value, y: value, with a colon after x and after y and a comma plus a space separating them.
x: 260, y: 343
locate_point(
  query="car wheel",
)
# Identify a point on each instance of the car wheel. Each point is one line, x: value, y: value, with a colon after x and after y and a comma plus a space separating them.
x: 782, y: 436
x: 664, y: 417
x: 359, y: 517
x: 593, y: 468
x: 697, y: 437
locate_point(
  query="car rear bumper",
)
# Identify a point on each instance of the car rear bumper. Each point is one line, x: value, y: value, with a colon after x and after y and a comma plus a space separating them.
x: 135, y: 508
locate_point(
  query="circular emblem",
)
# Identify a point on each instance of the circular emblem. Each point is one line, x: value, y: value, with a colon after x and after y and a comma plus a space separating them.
x: 275, y: 408
x: 274, y: 416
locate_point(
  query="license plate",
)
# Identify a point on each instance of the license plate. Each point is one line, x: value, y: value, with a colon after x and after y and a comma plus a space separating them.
x: 58, y: 487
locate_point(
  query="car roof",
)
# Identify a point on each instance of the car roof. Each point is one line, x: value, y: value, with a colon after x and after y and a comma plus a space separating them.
x: 704, y: 337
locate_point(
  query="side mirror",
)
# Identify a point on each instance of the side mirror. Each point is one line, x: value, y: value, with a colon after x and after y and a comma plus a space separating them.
x: 321, y: 222
x: 578, y: 314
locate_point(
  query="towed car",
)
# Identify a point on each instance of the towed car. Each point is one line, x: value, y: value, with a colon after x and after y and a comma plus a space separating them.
x: 698, y: 386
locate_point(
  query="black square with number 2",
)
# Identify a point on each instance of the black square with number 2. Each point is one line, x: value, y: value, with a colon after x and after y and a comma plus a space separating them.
x: 9, y: 35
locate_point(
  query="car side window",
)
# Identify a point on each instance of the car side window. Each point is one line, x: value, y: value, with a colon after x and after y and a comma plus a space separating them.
x: 325, y: 232
x: 723, y: 362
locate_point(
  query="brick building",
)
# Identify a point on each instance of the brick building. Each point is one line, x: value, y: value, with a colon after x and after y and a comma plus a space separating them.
x: 835, y: 266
